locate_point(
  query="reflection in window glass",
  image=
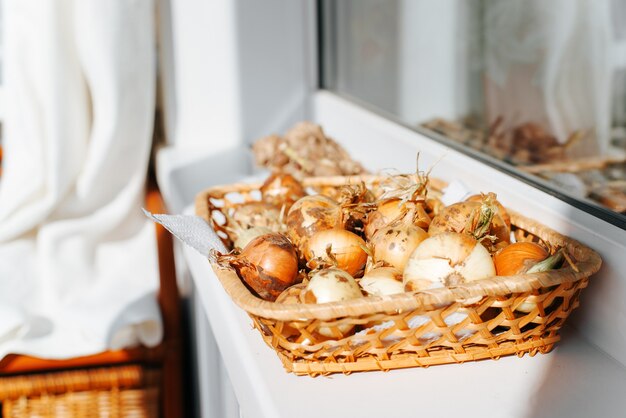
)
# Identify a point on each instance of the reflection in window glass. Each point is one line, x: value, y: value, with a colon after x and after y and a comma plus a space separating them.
x: 1, y: 49
x: 540, y: 86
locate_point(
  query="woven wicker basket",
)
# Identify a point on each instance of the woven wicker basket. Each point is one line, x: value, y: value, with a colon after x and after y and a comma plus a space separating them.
x: 410, y: 329
x: 122, y: 391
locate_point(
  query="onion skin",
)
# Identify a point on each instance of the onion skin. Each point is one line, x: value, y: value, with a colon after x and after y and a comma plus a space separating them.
x: 246, y: 235
x: 310, y: 215
x: 518, y: 257
x: 394, y: 243
x: 282, y: 189
x: 252, y: 214
x: 291, y: 295
x: 447, y: 259
x: 346, y: 248
x: 392, y: 210
x: 382, y: 281
x: 384, y: 214
x: 501, y: 209
x: 268, y: 264
x: 454, y: 218
x: 331, y: 285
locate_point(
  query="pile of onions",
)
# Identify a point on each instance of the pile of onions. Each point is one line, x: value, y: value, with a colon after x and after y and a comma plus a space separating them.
x: 353, y: 246
x: 268, y: 265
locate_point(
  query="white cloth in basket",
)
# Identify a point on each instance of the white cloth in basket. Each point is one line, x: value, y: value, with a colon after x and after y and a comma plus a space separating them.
x: 78, y: 267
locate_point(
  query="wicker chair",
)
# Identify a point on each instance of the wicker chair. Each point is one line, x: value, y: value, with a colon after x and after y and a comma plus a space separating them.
x: 137, y: 382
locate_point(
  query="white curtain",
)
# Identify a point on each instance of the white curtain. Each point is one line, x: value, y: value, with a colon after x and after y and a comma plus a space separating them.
x: 551, y: 62
x: 78, y: 268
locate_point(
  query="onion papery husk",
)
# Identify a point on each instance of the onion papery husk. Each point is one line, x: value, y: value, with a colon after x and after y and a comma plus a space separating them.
x: 336, y: 247
x: 331, y: 285
x: 447, y: 259
x: 356, y: 201
x: 282, y: 189
x: 267, y: 265
x: 394, y: 243
x: 240, y: 235
x: 312, y: 214
x: 394, y: 209
x: 251, y: 214
x: 504, y: 214
x: 480, y: 220
x: 382, y: 281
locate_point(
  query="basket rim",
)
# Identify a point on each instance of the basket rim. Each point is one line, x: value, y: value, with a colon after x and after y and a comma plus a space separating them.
x: 588, y: 263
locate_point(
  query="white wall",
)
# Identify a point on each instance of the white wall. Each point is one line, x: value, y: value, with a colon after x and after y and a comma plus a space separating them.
x: 241, y: 69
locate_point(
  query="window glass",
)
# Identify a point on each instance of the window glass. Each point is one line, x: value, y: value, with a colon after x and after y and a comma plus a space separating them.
x: 535, y: 88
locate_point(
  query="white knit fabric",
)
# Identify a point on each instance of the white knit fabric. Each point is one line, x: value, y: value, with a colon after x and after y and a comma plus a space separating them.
x: 78, y: 268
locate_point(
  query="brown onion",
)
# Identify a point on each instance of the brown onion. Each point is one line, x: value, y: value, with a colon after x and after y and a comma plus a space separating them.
x: 466, y: 217
x: 382, y: 281
x: 282, y: 189
x: 501, y: 209
x: 345, y: 248
x: 268, y: 264
x: 395, y: 243
x: 331, y: 285
x: 251, y: 214
x: 244, y: 236
x: 391, y: 210
x: 310, y: 215
x: 518, y: 257
x: 447, y: 259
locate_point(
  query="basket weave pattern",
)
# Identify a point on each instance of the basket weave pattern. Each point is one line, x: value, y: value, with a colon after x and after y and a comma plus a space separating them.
x: 472, y: 321
x: 105, y: 392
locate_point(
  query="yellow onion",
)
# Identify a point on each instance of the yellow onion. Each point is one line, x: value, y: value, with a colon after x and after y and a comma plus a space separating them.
x: 282, y: 189
x: 518, y: 258
x: 394, y: 243
x: 251, y: 214
x: 331, y: 285
x: 244, y: 236
x: 382, y: 281
x: 501, y: 209
x: 434, y: 206
x: 447, y: 259
x: 343, y: 248
x: 310, y: 215
x: 268, y: 265
x: 525, y: 257
x: 478, y: 219
x: 289, y: 296
x: 391, y: 210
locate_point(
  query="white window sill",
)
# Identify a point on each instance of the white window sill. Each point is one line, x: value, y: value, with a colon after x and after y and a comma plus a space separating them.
x: 575, y: 380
